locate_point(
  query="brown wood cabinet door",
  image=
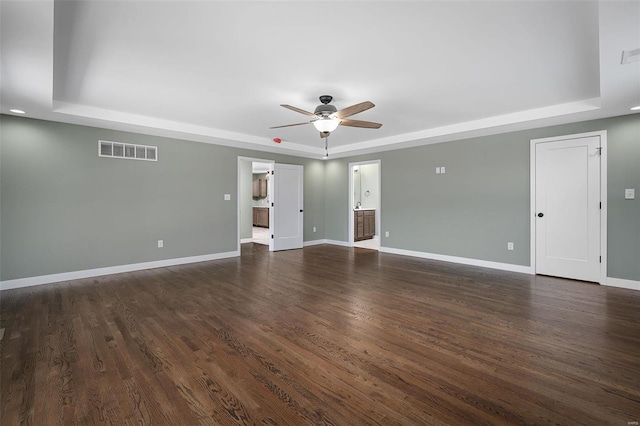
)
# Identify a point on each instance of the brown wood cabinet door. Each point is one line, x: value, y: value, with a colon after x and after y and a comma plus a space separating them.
x: 256, y: 188
x: 358, y: 221
x: 263, y: 187
x: 261, y: 217
x: 369, y: 223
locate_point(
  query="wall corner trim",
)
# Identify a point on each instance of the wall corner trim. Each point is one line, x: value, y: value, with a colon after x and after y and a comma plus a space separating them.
x: 619, y: 282
x: 88, y: 273
x: 462, y: 260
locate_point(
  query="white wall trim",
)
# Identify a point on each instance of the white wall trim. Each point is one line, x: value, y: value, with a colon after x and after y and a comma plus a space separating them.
x: 246, y: 240
x: 88, y: 273
x: 462, y: 260
x: 325, y: 241
x: 619, y: 282
x: 603, y: 196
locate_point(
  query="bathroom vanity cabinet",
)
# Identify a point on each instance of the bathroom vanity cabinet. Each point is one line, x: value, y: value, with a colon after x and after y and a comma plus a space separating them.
x: 261, y: 217
x: 364, y: 224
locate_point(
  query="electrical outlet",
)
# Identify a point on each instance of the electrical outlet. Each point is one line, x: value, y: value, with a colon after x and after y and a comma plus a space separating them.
x: 160, y: 243
x: 629, y: 194
x: 386, y: 234
x: 314, y: 229
x: 509, y: 246
x: 227, y: 197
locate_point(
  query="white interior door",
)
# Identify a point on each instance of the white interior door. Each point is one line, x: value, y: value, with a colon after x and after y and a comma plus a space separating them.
x: 287, y: 217
x: 567, y: 208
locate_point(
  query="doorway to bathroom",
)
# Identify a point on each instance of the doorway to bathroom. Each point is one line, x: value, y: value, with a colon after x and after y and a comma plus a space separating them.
x: 254, y: 195
x: 260, y: 195
x: 364, y: 204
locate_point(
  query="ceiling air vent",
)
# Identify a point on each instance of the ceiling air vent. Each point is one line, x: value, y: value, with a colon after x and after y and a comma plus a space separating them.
x: 127, y: 151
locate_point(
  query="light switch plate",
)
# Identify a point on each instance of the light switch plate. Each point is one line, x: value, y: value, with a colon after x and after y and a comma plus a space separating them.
x: 629, y: 194
x: 442, y: 170
x: 227, y: 197
x: 437, y: 170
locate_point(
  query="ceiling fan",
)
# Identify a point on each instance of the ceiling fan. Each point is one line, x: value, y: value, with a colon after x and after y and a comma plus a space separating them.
x: 326, y: 118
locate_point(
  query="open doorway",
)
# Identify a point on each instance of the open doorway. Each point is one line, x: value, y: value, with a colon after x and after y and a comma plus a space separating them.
x: 364, y: 204
x: 254, y: 200
x: 260, y: 201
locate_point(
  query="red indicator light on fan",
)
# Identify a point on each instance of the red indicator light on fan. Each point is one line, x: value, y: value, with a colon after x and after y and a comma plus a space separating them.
x: 277, y: 140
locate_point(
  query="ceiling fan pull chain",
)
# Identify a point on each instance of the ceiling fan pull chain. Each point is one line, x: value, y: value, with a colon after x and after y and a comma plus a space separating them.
x: 326, y: 146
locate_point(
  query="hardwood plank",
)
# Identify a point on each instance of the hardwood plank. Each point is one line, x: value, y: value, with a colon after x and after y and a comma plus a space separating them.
x: 324, y: 335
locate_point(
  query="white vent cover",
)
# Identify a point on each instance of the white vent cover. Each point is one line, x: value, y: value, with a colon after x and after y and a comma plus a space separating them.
x: 127, y: 150
x: 629, y: 56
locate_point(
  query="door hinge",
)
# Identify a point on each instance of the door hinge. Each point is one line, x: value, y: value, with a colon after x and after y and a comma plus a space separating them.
x: 600, y: 205
x: 273, y: 172
x: 600, y: 259
x: 271, y: 204
x: 599, y: 150
x: 272, y: 236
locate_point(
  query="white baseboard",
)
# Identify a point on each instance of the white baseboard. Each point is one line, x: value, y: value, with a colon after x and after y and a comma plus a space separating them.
x: 338, y: 243
x: 325, y: 241
x: 463, y: 260
x: 246, y: 240
x: 619, y: 282
x: 88, y: 273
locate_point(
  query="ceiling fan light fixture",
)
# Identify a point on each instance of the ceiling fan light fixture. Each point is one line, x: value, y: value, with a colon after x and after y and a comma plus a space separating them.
x: 326, y: 124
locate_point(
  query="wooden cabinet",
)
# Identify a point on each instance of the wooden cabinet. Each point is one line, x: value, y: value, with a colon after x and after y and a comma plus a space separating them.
x: 261, y: 217
x: 364, y: 224
x: 259, y: 188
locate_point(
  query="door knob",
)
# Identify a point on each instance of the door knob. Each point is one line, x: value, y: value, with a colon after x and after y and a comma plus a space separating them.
x: 540, y: 214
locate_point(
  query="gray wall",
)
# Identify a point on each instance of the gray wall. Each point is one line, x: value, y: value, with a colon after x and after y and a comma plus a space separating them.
x: 62, y: 208
x: 66, y: 209
x: 482, y: 201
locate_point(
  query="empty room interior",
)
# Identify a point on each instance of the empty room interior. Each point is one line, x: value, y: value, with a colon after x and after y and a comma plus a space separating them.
x: 297, y: 212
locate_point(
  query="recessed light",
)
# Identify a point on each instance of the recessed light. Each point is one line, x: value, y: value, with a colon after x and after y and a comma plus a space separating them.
x: 17, y: 111
x: 636, y: 108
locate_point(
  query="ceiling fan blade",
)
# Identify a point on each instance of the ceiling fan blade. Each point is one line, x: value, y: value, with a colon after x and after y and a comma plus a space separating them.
x: 289, y: 125
x: 301, y: 111
x: 360, y: 123
x: 354, y: 109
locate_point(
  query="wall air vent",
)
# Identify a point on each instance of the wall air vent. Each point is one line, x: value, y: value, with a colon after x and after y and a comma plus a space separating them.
x: 127, y: 151
x: 629, y: 56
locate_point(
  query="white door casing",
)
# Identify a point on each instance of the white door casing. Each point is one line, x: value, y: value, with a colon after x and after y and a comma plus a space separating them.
x: 286, y: 219
x: 567, y: 238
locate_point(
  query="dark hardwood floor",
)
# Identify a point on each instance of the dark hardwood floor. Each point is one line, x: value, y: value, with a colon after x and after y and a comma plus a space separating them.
x: 323, y: 335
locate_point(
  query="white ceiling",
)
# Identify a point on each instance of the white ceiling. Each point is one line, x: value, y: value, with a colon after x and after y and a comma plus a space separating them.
x: 216, y: 71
